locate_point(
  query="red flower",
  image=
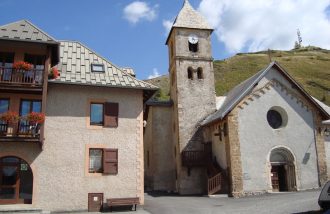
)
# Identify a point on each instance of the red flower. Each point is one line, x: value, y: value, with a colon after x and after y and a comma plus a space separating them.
x: 23, y: 66
x: 54, y: 73
x: 10, y: 117
x: 35, y: 117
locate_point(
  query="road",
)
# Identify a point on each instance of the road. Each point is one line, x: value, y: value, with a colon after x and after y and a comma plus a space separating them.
x: 293, y: 202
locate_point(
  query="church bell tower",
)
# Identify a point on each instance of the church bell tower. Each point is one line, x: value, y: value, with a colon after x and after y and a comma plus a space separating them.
x: 192, y: 90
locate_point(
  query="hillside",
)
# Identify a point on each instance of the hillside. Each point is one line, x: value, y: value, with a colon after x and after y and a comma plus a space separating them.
x: 310, y: 66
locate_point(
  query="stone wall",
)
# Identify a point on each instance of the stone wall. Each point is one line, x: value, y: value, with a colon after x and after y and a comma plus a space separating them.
x: 159, y: 149
x: 193, y: 101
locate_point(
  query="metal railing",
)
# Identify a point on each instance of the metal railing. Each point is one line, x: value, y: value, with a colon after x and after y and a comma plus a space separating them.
x: 20, y: 129
x: 31, y: 77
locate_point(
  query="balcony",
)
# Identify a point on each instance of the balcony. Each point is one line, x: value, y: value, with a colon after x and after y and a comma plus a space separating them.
x: 31, y: 79
x: 194, y: 158
x: 21, y: 131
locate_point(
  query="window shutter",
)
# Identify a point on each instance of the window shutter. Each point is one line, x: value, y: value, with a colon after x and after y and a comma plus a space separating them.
x: 111, y: 114
x: 110, y: 161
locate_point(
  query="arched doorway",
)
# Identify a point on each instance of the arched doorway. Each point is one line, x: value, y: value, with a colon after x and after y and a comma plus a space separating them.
x: 283, y: 176
x: 16, y: 181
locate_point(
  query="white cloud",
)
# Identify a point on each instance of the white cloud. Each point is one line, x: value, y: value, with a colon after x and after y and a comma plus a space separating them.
x: 167, y: 24
x: 154, y: 74
x: 139, y: 10
x: 253, y: 25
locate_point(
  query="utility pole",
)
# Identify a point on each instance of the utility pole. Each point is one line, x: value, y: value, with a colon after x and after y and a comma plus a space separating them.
x: 299, y: 37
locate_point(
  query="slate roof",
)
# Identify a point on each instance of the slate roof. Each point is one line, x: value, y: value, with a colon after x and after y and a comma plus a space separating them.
x: 24, y: 30
x: 75, y: 68
x: 240, y: 91
x: 188, y: 17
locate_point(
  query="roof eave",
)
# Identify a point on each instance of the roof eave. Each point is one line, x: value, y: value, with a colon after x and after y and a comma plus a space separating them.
x: 325, y: 114
x: 93, y: 85
x: 30, y: 41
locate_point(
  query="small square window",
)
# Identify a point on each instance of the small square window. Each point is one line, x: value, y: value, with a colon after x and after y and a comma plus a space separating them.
x: 97, y: 68
x: 96, y: 114
x: 95, y: 161
x: 103, y: 160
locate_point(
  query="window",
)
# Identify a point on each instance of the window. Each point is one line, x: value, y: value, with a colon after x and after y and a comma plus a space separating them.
x: 104, y: 114
x: 95, y: 161
x: 190, y: 74
x: 38, y: 63
x: 200, y: 73
x: 97, y: 112
x: 6, y: 62
x: 277, y: 117
x: 97, y: 68
x: 193, y: 47
x: 274, y: 119
x: 28, y: 106
x: 103, y: 161
x: 4, y: 107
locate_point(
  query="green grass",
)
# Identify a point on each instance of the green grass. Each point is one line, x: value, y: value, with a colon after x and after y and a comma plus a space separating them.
x: 309, y: 66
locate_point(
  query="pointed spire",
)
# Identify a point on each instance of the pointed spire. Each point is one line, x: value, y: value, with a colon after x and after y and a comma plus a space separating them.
x: 188, y: 17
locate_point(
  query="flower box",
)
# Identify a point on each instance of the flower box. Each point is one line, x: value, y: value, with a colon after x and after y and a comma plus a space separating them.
x: 10, y: 117
x: 22, y: 66
x: 35, y: 117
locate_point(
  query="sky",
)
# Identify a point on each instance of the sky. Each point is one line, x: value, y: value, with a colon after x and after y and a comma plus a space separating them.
x: 132, y: 33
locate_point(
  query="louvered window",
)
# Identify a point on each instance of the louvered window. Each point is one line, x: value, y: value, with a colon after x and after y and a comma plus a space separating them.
x: 104, y: 114
x: 103, y: 161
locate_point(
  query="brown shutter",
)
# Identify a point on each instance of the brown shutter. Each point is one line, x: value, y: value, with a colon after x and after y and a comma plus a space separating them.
x: 111, y: 114
x: 110, y: 161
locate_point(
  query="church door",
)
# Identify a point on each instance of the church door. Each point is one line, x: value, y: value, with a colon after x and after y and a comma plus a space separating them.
x: 283, y: 177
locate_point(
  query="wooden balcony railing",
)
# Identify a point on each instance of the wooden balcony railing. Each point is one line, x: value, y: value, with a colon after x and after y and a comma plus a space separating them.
x: 193, y: 158
x: 32, y: 77
x: 21, y: 131
x: 214, y: 184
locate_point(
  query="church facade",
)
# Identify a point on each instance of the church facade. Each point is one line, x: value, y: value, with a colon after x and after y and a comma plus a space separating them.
x: 265, y: 135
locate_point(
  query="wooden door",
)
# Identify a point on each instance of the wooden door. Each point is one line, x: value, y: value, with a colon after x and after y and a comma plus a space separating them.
x: 275, y: 179
x: 9, y: 184
x: 95, y: 202
x: 291, y: 177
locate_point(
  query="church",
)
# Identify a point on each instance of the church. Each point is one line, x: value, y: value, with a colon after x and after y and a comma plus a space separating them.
x: 265, y: 135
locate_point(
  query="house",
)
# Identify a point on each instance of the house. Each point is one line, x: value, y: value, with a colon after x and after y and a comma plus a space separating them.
x: 90, y: 146
x: 265, y: 135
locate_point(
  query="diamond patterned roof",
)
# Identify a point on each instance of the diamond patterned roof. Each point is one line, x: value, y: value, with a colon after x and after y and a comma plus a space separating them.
x: 24, y: 30
x: 75, y: 68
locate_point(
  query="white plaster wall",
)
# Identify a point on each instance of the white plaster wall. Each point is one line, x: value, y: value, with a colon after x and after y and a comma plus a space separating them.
x: 257, y: 138
x: 219, y: 147
x: 327, y: 152
x: 60, y: 179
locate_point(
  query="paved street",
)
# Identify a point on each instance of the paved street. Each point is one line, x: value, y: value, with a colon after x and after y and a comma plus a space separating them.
x: 299, y: 202
x: 275, y: 203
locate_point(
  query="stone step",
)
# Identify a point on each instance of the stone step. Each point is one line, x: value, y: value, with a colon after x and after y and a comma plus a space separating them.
x: 15, y: 208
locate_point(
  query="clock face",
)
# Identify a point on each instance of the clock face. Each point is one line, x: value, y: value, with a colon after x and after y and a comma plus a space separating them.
x: 193, y: 39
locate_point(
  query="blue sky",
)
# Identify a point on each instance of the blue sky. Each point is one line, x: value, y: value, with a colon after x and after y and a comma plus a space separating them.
x: 139, y: 41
